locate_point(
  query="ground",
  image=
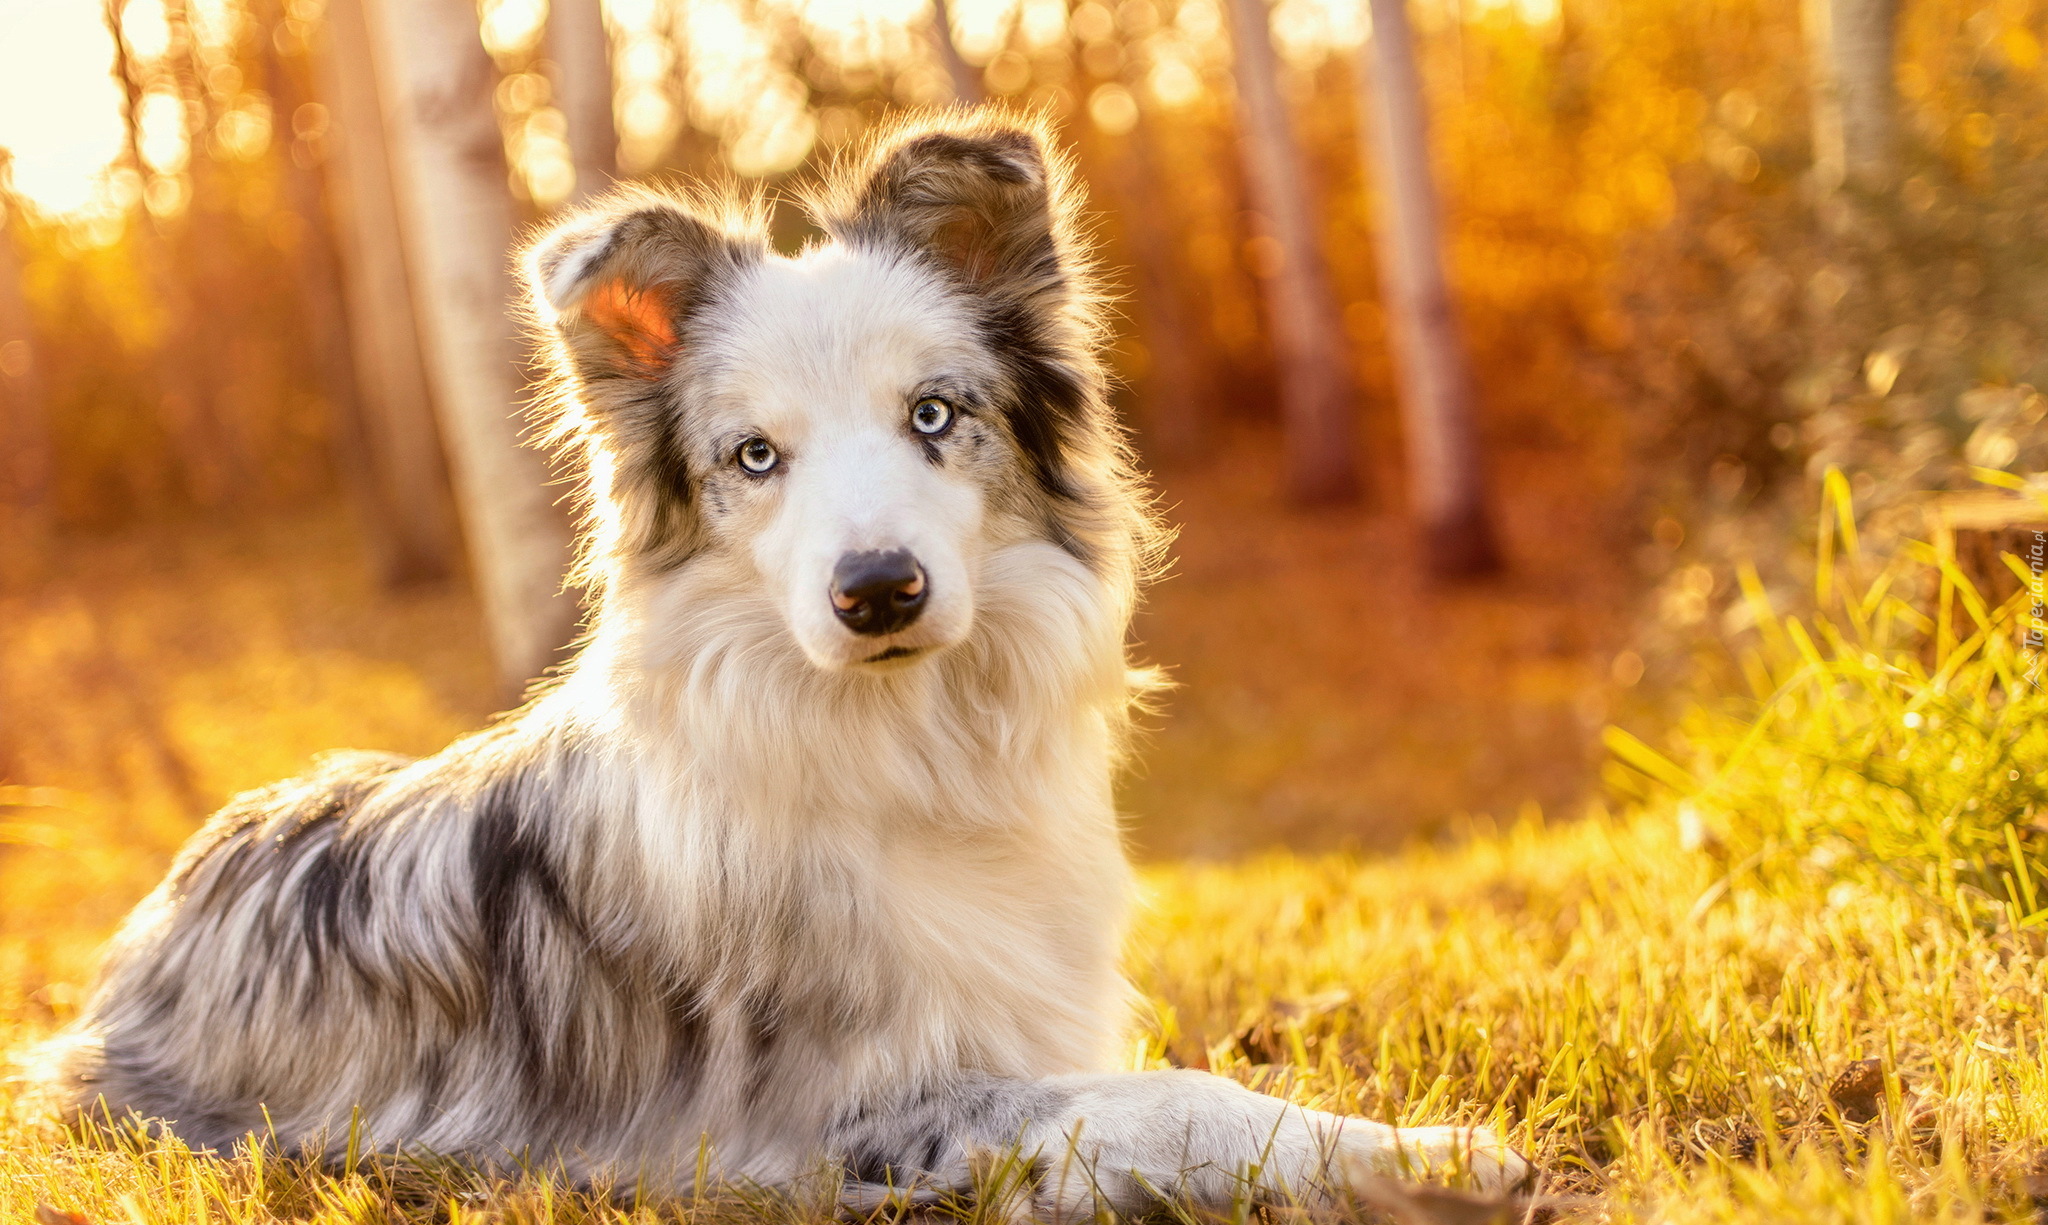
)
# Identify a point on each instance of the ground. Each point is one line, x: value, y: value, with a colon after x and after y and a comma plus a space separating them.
x: 1330, y: 696
x: 1669, y: 1031
x: 1669, y: 1046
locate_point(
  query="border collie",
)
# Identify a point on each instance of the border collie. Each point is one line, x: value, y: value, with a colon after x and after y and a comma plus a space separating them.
x: 809, y: 861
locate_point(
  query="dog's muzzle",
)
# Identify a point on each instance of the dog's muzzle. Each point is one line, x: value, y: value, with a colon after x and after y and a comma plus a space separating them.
x: 878, y: 592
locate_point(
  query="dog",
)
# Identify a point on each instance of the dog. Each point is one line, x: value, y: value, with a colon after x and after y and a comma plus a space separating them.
x: 809, y: 859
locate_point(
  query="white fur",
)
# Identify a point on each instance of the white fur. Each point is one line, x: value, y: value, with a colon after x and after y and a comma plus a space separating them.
x: 732, y: 880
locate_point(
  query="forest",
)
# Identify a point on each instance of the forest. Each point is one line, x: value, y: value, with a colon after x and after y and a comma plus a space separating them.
x: 1603, y: 443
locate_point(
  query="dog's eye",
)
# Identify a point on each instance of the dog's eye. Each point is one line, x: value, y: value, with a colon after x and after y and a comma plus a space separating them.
x: 931, y: 416
x: 757, y: 456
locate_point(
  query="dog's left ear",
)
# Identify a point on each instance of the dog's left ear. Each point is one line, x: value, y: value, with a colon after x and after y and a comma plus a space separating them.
x: 979, y: 202
x: 988, y: 206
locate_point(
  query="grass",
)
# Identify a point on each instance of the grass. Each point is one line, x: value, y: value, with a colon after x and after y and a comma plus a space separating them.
x: 1668, y: 1004
x: 1564, y: 981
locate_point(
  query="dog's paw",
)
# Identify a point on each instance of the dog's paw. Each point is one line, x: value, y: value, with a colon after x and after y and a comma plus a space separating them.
x: 1474, y: 1156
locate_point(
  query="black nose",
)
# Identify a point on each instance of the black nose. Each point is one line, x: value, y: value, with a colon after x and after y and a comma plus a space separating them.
x: 878, y: 592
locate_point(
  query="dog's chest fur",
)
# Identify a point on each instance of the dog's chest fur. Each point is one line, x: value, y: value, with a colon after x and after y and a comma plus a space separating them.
x: 809, y: 950
x: 899, y: 937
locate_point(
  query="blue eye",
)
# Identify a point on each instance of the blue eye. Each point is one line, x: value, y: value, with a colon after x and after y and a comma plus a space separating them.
x: 931, y: 416
x: 757, y: 456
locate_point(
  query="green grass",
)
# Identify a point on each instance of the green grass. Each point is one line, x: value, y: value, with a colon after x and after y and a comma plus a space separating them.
x: 1585, y: 985
x: 1653, y: 1001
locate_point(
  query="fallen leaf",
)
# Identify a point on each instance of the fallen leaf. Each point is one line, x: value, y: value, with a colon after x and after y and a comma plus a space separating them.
x: 1858, y: 1090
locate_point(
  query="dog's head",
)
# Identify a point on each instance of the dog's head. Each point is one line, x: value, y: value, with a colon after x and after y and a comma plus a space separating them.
x: 859, y: 432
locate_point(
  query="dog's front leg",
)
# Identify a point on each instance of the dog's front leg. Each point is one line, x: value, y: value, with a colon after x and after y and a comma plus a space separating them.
x: 1130, y: 1141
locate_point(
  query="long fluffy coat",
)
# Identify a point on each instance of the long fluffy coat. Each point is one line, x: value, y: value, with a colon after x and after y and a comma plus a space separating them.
x: 735, y: 888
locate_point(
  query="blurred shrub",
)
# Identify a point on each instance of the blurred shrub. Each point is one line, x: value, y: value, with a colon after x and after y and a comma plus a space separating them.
x: 1882, y: 738
x: 1774, y: 332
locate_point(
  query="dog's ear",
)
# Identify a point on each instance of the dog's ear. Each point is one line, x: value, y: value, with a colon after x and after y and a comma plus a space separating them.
x: 979, y: 202
x: 617, y: 288
x: 618, y: 284
x: 993, y: 207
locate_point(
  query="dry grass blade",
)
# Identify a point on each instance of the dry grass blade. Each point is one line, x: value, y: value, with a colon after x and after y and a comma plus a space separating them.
x: 1874, y: 854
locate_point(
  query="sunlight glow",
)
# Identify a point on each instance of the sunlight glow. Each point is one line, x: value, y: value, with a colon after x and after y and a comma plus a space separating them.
x: 545, y: 156
x: 980, y: 26
x: 1532, y: 12
x: 1173, y: 80
x: 145, y: 28
x: 739, y: 89
x: 216, y: 23
x: 862, y: 33
x: 1044, y: 22
x: 512, y: 27
x: 1200, y: 20
x: 1113, y: 109
x: 160, y: 125
x: 644, y: 65
x: 1307, y: 32
x: 60, y: 109
x: 244, y: 132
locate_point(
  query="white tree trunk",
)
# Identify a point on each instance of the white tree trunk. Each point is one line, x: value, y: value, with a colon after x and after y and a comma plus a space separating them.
x: 1446, y: 486
x: 581, y: 48
x: 1316, y: 394
x: 1850, y: 51
x: 965, y: 80
x: 460, y: 225
x: 391, y: 377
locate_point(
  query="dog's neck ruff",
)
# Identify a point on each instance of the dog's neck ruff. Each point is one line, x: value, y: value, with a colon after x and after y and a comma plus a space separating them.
x: 941, y: 832
x: 697, y: 689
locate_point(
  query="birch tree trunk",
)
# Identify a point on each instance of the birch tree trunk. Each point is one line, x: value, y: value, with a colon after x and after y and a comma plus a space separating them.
x: 582, y: 51
x: 1316, y: 395
x: 25, y: 455
x: 327, y: 339
x: 460, y: 226
x: 966, y: 81
x: 1850, y: 52
x: 397, y: 414
x: 1446, y: 483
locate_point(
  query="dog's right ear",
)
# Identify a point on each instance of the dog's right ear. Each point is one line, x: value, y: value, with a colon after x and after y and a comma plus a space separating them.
x: 620, y: 283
